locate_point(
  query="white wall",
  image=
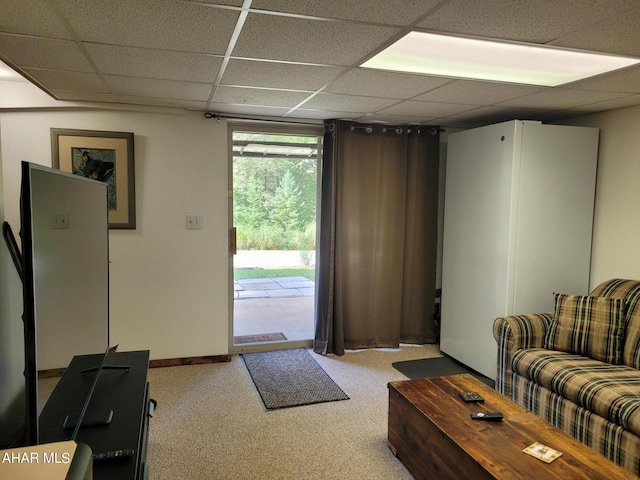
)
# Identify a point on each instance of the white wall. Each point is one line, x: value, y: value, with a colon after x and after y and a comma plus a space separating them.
x: 169, y: 285
x: 615, y: 250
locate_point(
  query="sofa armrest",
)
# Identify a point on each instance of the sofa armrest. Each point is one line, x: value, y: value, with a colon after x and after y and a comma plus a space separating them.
x: 513, y: 333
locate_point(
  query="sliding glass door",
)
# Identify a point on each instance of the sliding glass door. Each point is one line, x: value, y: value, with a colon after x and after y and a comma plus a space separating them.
x: 273, y: 195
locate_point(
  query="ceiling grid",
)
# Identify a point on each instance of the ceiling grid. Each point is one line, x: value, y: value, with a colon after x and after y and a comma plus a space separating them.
x: 301, y: 60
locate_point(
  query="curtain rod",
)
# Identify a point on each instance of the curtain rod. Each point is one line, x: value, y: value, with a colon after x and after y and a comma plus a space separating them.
x: 397, y: 130
x: 218, y: 116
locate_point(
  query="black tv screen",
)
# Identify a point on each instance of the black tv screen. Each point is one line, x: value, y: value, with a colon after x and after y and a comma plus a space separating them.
x: 65, y: 268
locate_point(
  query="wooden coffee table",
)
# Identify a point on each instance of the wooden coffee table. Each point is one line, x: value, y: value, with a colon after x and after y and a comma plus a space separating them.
x: 431, y: 432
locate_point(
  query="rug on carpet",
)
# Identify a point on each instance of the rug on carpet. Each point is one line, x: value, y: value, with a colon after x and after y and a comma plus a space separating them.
x: 259, y: 338
x: 290, y: 378
x: 437, y: 367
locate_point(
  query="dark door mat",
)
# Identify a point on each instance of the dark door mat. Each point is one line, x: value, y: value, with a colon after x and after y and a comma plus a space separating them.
x: 437, y: 367
x: 259, y: 338
x: 290, y: 378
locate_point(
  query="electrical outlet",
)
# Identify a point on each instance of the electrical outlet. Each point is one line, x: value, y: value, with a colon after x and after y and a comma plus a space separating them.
x: 194, y: 222
x: 59, y: 220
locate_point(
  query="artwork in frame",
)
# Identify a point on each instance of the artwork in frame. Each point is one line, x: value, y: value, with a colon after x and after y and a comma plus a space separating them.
x: 103, y: 156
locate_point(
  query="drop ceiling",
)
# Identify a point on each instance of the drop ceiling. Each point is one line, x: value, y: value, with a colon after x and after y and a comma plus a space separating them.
x: 301, y: 59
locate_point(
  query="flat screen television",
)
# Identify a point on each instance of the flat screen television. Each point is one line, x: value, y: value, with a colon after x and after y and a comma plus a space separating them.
x: 65, y: 273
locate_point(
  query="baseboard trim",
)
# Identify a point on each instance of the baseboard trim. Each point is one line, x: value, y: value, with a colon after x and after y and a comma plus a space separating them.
x: 167, y: 362
x: 51, y: 373
x: 177, y: 362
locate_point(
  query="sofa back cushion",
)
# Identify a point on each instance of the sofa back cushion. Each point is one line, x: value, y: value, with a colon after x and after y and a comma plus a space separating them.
x: 630, y: 291
x: 588, y: 326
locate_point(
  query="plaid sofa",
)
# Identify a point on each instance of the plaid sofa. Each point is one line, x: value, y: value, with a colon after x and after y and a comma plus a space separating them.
x: 579, y: 367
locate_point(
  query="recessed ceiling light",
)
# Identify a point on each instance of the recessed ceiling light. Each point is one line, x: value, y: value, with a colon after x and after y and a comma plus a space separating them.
x: 463, y: 57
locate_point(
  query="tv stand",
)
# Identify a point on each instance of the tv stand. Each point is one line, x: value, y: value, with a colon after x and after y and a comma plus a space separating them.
x: 126, y: 395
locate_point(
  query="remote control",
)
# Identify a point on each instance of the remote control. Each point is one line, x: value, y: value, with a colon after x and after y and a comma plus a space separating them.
x: 114, y: 456
x: 489, y: 416
x: 471, y: 397
x: 91, y: 419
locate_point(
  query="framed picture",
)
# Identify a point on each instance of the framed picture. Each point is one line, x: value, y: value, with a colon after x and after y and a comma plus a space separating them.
x: 103, y: 156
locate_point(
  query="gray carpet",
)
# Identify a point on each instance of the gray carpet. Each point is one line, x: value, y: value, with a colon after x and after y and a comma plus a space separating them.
x: 290, y: 378
x: 437, y: 367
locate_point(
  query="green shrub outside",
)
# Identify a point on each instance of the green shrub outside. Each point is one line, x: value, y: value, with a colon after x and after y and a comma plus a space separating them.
x: 275, y: 237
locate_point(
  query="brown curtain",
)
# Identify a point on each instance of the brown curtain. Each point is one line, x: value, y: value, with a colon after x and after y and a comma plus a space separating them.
x: 378, y: 234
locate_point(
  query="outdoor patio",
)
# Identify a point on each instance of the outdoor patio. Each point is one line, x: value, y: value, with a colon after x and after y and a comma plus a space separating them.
x: 273, y: 305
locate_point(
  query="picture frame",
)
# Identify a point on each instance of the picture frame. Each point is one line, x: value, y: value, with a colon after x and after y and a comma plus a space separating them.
x: 103, y: 156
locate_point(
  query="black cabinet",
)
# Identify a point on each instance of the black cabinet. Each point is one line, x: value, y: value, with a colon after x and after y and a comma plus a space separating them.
x: 124, y: 391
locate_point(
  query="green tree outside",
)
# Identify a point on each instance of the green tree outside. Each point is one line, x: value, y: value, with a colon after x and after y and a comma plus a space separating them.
x: 274, y: 197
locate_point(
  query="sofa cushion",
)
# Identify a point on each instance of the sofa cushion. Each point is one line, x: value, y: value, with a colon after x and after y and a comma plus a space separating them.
x: 611, y: 391
x: 631, y: 351
x: 590, y: 326
x: 630, y: 291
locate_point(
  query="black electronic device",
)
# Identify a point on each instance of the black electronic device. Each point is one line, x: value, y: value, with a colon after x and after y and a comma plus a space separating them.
x: 90, y: 419
x: 113, y: 456
x: 64, y: 231
x: 488, y: 416
x: 471, y: 397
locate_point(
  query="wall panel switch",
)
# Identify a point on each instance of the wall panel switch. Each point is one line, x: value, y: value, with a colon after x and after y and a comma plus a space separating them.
x: 194, y: 222
x: 59, y: 220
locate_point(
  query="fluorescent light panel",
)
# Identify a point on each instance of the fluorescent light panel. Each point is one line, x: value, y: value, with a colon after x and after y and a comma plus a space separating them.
x: 449, y: 56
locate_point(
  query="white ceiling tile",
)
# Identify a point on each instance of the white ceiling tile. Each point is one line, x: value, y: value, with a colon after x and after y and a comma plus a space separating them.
x: 293, y: 76
x: 345, y: 103
x: 313, y: 41
x: 232, y: 3
x: 324, y: 114
x: 128, y: 100
x: 162, y: 24
x: 599, y: 38
x: 379, y: 83
x: 145, y: 87
x: 190, y: 105
x: 627, y: 80
x: 538, y: 21
x: 476, y: 93
x: 31, y: 17
x: 428, y: 109
x: 259, y: 96
x: 621, y: 102
x: 307, y: 54
x: 374, y: 11
x: 147, y: 63
x: 63, y: 80
x: 33, y: 52
x: 247, y: 109
x: 560, y: 99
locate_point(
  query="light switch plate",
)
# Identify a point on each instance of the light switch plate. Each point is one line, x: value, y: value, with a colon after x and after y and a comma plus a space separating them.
x: 194, y: 222
x: 59, y: 220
